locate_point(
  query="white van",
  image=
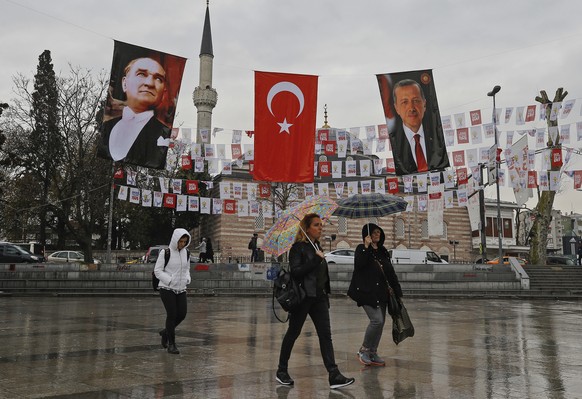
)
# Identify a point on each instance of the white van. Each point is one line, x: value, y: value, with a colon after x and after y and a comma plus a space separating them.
x: 415, y: 257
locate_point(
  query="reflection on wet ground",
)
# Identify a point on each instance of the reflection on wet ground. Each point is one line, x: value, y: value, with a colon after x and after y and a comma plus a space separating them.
x: 109, y: 348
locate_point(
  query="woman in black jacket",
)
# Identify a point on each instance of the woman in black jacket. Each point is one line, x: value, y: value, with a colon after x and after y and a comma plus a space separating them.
x: 372, y: 267
x: 308, y: 268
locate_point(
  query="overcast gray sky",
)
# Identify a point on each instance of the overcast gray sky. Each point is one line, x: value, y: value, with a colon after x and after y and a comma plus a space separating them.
x: 523, y: 46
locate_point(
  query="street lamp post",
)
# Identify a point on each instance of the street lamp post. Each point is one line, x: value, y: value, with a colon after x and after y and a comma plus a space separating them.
x: 492, y: 93
x: 454, y: 243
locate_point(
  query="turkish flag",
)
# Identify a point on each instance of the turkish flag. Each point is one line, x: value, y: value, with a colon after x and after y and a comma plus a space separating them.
x: 285, y: 112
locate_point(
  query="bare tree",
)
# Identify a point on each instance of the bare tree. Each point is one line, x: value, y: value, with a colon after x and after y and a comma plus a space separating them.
x: 543, y: 210
x: 79, y: 180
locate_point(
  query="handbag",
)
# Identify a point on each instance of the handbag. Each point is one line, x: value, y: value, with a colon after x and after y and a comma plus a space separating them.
x: 287, y: 291
x: 402, y: 327
x: 392, y: 305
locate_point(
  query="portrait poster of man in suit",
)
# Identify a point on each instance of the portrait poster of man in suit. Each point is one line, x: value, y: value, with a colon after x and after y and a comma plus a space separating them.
x: 413, y: 121
x: 140, y: 107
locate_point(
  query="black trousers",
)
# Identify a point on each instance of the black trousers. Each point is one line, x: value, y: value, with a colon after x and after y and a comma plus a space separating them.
x: 318, y: 310
x: 176, y: 308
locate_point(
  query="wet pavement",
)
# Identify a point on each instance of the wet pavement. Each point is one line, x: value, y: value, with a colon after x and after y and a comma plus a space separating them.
x: 97, y: 347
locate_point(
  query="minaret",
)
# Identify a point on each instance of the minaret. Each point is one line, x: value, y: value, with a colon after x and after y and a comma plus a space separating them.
x: 325, y: 125
x: 205, y: 96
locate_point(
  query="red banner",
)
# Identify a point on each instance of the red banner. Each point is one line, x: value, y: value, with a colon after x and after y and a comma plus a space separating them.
x: 329, y: 147
x: 229, y: 206
x: 285, y: 113
x: 236, y: 151
x: 532, y: 179
x: 186, y: 162
x: 392, y: 183
x: 264, y: 190
x: 556, y: 158
x: 325, y: 169
x: 462, y: 177
x: 192, y: 186
x: 169, y: 200
x: 390, y: 168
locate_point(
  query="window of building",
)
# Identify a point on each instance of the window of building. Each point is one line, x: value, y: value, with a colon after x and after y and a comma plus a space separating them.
x: 260, y: 220
x: 424, y: 229
x: 399, y: 228
x: 507, y: 228
x: 492, y: 230
x: 342, y: 226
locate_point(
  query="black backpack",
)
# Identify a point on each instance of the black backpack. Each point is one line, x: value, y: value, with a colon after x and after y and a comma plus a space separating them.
x: 287, y: 291
x: 155, y: 280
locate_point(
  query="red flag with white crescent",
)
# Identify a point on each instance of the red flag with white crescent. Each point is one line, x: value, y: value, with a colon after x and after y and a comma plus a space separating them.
x: 285, y: 115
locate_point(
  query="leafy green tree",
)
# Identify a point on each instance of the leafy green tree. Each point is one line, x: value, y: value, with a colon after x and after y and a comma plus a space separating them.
x: 45, y: 146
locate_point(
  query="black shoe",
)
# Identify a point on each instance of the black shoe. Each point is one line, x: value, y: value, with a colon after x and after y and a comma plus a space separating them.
x: 172, y: 349
x: 337, y: 380
x: 164, y: 336
x: 283, y: 378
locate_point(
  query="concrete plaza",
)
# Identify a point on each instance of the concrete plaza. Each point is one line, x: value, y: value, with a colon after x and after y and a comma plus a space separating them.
x: 108, y: 347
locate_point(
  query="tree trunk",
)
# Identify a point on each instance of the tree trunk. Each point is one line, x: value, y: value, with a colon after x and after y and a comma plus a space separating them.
x: 543, y: 210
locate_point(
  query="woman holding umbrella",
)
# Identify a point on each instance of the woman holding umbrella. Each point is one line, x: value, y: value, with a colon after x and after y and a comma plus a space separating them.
x: 373, y: 280
x: 308, y: 267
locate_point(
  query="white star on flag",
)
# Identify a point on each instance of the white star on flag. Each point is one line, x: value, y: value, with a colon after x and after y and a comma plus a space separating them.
x: 285, y: 126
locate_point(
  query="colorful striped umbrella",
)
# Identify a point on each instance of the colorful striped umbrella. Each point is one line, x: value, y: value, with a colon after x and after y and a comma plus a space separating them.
x: 281, y: 236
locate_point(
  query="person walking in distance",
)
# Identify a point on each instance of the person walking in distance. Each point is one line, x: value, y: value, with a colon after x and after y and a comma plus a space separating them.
x: 174, y: 277
x: 202, y: 250
x: 253, y: 246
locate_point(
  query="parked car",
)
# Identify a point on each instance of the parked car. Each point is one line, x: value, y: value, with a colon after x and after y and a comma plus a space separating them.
x: 415, y: 257
x: 495, y: 261
x: 343, y: 256
x: 560, y: 260
x: 10, y: 253
x: 152, y: 254
x: 68, y: 257
x: 34, y: 248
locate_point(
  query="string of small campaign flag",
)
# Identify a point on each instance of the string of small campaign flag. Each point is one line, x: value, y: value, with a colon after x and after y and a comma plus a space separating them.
x: 139, y: 132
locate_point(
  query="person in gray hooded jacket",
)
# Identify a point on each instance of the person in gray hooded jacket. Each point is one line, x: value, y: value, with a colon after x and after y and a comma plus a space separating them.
x: 373, y: 278
x: 174, y: 278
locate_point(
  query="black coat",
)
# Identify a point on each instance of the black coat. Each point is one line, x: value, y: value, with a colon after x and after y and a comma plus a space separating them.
x: 145, y: 150
x: 304, y: 265
x: 368, y: 285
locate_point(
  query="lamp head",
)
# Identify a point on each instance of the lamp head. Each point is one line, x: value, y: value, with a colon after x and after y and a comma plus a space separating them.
x: 494, y: 91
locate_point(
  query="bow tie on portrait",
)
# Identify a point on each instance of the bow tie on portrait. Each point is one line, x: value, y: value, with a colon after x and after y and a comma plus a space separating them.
x: 162, y: 142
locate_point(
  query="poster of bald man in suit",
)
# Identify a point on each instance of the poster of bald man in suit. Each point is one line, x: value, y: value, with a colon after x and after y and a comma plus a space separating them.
x: 413, y: 120
x: 140, y: 107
